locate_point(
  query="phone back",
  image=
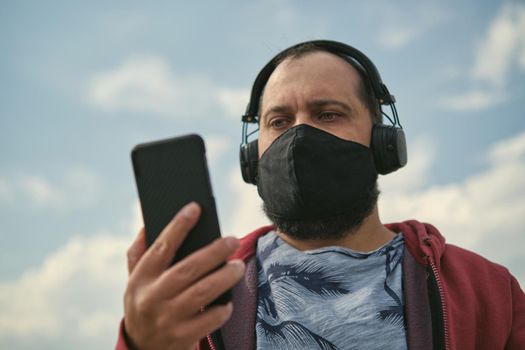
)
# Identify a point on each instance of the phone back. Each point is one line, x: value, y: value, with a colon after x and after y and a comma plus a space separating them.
x: 170, y: 174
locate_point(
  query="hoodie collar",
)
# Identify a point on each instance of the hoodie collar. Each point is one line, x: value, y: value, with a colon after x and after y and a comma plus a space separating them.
x: 422, y: 240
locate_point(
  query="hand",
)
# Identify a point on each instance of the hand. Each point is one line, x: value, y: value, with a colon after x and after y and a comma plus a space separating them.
x: 163, y: 305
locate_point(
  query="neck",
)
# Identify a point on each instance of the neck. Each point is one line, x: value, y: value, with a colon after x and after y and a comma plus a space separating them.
x: 368, y: 237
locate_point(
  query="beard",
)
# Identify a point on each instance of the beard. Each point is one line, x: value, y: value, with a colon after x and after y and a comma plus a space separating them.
x: 330, y: 227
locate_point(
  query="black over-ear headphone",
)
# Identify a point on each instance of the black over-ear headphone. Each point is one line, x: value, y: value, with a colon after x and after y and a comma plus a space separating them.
x: 388, y: 143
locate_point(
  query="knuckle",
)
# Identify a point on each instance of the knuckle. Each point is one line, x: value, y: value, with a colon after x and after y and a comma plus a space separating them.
x: 224, y: 248
x: 143, y: 305
x: 133, y: 283
x: 130, y: 292
x: 160, y: 247
x: 131, y: 255
x: 179, y: 333
x: 202, y: 290
x: 129, y: 252
x: 186, y: 270
x: 220, y: 315
x: 219, y: 249
x: 221, y: 243
x: 235, y: 270
x: 223, y: 314
x: 163, y: 322
x: 128, y: 300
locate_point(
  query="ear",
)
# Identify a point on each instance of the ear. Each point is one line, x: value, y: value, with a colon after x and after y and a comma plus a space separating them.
x: 389, y: 148
x: 249, y: 159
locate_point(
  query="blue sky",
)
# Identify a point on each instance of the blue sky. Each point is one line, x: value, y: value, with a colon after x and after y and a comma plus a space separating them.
x: 84, y: 82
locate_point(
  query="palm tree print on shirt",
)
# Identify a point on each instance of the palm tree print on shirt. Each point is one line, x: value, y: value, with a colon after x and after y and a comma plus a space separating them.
x: 285, y: 288
x: 295, y: 280
x: 394, y: 314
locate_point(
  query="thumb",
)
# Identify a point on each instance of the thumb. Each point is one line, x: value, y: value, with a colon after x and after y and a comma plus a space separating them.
x: 136, y: 250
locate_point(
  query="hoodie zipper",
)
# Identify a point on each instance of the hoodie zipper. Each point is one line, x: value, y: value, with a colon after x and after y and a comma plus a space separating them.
x: 442, y: 301
x: 210, y: 342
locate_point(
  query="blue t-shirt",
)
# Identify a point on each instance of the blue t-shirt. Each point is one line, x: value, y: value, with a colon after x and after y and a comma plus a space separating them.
x: 329, y: 298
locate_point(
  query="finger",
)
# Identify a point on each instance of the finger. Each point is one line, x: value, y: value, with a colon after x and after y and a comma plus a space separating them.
x: 204, y: 323
x: 160, y: 254
x: 190, y: 269
x: 136, y: 250
x: 209, y: 288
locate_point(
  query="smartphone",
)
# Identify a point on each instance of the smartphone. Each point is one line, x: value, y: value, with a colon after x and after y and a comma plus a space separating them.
x: 169, y: 174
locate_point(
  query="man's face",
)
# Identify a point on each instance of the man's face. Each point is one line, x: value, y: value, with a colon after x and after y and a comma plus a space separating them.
x: 318, y: 89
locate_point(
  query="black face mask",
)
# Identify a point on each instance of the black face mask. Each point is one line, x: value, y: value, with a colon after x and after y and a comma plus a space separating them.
x: 308, y: 174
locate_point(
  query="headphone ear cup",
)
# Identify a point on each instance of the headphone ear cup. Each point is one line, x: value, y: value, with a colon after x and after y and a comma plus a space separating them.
x: 388, y: 148
x: 249, y: 160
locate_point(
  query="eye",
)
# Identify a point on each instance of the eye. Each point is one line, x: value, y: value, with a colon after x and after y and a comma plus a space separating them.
x: 328, y: 116
x: 278, y: 123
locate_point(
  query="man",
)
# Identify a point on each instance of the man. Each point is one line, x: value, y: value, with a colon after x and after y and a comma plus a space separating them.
x: 329, y: 274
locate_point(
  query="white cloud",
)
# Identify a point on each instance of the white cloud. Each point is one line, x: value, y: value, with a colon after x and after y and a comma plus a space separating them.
x: 247, y: 213
x: 400, y: 26
x: 233, y: 101
x: 397, y: 37
x: 5, y: 190
x: 74, y: 296
x: 473, y: 100
x: 498, y: 51
x: 216, y: 146
x: 40, y: 191
x: 77, y: 188
x: 502, y: 49
x: 148, y: 84
x: 82, y: 186
x: 414, y: 176
x: 72, y: 284
x: 508, y: 150
x: 522, y: 59
x: 485, y: 212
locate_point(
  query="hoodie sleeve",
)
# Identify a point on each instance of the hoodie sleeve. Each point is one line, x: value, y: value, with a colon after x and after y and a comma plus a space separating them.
x: 517, y: 334
x: 122, y: 343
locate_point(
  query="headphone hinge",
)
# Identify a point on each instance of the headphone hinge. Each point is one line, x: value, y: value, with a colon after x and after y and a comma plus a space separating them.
x: 248, y: 118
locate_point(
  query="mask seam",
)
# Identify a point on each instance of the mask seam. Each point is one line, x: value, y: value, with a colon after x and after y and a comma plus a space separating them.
x: 291, y: 157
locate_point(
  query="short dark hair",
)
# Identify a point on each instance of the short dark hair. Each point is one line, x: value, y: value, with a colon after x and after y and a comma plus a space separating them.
x: 365, y: 91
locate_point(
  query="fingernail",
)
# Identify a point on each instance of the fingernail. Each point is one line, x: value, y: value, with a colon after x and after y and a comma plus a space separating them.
x: 232, y: 242
x: 190, y: 210
x: 228, y: 310
x: 229, y: 307
x: 238, y: 265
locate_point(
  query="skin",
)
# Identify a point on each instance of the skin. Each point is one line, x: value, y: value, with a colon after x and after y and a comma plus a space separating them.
x: 162, y: 304
x: 320, y: 89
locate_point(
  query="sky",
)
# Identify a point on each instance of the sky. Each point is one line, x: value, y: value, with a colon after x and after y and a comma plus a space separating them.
x: 83, y: 82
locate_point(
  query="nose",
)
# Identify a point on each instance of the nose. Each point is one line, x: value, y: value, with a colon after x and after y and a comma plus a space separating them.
x: 303, y: 118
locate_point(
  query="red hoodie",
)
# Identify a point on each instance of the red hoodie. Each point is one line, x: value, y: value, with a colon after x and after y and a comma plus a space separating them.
x: 454, y: 299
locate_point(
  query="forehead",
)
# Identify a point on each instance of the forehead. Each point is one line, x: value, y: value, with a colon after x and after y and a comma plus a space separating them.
x: 314, y: 75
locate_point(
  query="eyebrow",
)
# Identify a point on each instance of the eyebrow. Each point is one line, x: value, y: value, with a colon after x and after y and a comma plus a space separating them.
x: 316, y: 104
x: 275, y: 109
x: 323, y: 103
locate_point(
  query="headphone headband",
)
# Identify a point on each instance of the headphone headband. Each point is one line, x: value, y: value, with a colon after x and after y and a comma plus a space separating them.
x: 380, y: 90
x: 388, y: 141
